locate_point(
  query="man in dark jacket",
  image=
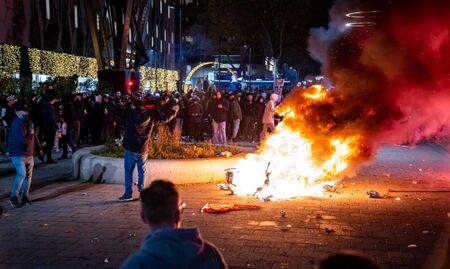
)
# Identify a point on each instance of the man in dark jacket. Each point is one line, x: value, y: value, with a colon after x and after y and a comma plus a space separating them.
x: 236, y: 115
x: 139, y: 122
x: 248, y: 120
x: 22, y: 140
x: 168, y: 245
x: 195, y: 118
x: 50, y: 119
x: 218, y: 109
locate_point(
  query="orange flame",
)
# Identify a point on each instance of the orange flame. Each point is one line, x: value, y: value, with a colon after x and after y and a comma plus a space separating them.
x: 289, y: 162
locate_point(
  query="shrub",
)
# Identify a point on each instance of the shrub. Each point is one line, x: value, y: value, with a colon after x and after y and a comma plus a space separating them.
x: 168, y: 146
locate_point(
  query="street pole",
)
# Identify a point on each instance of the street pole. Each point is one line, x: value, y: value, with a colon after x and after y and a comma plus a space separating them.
x: 218, y: 85
x: 180, y: 63
x: 250, y: 68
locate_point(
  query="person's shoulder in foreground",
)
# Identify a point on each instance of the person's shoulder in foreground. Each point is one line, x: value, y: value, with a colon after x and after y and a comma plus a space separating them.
x: 347, y: 260
x: 168, y: 245
x: 175, y: 248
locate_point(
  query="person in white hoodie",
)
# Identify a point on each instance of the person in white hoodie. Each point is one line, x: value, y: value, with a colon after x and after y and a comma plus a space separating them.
x: 168, y: 245
x: 268, y: 119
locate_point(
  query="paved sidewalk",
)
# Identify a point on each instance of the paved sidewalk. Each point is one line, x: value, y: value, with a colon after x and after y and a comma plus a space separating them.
x: 81, y: 225
x: 42, y: 174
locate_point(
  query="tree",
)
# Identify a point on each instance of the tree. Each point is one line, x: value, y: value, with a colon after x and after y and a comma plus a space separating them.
x: 278, y: 27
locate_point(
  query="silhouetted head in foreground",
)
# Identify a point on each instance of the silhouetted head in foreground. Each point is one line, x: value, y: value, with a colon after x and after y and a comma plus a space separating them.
x: 347, y: 261
x: 160, y: 205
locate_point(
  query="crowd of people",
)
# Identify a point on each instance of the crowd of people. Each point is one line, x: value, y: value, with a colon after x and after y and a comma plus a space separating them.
x: 56, y: 121
x: 64, y: 122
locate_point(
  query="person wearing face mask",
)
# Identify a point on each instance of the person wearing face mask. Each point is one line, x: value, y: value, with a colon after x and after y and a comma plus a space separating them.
x: 22, y: 141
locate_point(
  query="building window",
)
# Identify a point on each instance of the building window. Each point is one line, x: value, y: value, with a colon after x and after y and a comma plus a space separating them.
x: 153, y: 42
x: 98, y: 22
x: 160, y: 7
x: 161, y: 45
x: 165, y: 35
x: 173, y: 38
x: 157, y: 31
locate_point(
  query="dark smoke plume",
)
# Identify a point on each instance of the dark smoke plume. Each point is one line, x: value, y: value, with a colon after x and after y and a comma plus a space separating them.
x: 391, y: 74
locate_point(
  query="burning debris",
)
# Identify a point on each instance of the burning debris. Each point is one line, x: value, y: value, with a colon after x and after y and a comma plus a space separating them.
x: 389, y: 86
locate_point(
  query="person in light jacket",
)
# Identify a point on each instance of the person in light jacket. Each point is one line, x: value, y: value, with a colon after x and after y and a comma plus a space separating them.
x: 268, y: 119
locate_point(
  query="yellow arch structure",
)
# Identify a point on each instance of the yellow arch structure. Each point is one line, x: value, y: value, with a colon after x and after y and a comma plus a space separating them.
x: 195, y: 69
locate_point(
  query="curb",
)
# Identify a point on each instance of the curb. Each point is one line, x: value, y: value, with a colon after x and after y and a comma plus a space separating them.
x: 94, y: 168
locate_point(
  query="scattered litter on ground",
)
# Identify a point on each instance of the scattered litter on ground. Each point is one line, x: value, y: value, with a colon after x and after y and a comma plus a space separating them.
x: 44, y: 225
x: 410, y: 164
x: 328, y: 230
x: 226, y: 154
x: 319, y: 216
x: 106, y: 260
x: 448, y: 214
x: 329, y: 188
x: 420, y: 170
x: 418, y: 199
x: 414, y: 182
x: 412, y: 246
x: 341, y: 186
x: 374, y: 194
x: 84, y: 193
x: 193, y: 214
x: 386, y: 174
x: 387, y: 196
x: 425, y: 232
x: 282, y: 213
x: 95, y: 240
x: 397, y: 198
x: 223, y: 208
x: 222, y: 186
x: 289, y: 226
x: 132, y: 235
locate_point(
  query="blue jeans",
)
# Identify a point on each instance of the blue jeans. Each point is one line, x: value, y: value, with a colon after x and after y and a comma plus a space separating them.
x: 219, y: 132
x: 131, y: 160
x: 24, y: 168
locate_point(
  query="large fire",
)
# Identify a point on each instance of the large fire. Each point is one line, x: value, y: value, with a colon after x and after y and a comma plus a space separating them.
x: 286, y: 165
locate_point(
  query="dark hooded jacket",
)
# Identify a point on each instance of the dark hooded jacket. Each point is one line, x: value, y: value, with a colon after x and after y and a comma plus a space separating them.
x: 139, y: 122
x: 177, y: 249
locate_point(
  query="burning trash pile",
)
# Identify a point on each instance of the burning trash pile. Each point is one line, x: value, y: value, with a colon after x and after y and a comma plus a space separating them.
x: 291, y: 162
x: 391, y: 85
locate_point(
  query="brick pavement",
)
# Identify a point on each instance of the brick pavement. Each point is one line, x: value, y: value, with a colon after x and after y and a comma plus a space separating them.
x: 73, y: 225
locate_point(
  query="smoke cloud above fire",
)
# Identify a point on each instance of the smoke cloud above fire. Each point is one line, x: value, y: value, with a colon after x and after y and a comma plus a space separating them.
x: 390, y: 67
